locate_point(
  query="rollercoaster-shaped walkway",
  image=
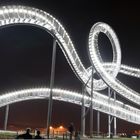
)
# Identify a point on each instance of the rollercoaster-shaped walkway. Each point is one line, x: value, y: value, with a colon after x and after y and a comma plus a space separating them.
x: 11, y: 15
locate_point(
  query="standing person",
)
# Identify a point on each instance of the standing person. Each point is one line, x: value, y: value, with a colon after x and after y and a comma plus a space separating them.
x: 77, y: 137
x: 38, y: 135
x: 71, y: 129
x: 27, y: 135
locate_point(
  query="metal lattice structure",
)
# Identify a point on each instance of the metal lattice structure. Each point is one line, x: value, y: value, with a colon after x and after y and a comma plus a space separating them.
x: 100, y: 103
x: 11, y: 15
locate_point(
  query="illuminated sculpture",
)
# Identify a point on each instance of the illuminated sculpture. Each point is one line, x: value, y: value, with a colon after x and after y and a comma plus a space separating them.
x: 11, y: 15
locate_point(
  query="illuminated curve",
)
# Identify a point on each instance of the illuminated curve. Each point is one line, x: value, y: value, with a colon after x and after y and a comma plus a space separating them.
x: 11, y: 15
x: 117, y: 109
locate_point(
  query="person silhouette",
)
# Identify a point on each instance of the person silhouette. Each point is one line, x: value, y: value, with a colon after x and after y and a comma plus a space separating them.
x: 27, y: 135
x: 38, y: 135
x: 71, y: 129
x: 77, y: 137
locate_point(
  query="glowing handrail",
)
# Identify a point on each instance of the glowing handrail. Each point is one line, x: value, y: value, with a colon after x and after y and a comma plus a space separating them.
x: 100, y: 102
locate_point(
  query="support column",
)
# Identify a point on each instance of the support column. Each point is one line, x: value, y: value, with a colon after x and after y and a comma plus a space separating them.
x: 83, y: 109
x: 115, y: 127
x: 115, y: 123
x: 51, y: 88
x: 109, y: 116
x: 6, y: 117
x: 91, y: 107
x: 83, y: 113
x: 109, y: 126
x: 98, y: 123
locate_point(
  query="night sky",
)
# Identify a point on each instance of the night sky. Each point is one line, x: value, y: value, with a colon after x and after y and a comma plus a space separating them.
x: 25, y: 57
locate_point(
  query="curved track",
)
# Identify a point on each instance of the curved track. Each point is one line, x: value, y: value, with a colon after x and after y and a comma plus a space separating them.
x: 11, y: 15
x: 117, y: 109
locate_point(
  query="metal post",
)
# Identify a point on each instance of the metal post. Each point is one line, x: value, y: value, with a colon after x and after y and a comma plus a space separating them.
x: 109, y: 116
x: 109, y: 126
x: 83, y: 113
x: 115, y: 127
x: 83, y: 109
x: 6, y: 117
x: 51, y: 87
x: 98, y: 123
x: 91, y: 107
x: 115, y: 124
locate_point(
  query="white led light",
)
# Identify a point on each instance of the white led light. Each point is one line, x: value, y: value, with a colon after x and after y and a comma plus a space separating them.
x: 11, y: 10
x: 15, y: 10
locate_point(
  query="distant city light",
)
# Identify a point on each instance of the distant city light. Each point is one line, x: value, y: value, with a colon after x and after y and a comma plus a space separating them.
x: 61, y: 127
x: 51, y: 127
